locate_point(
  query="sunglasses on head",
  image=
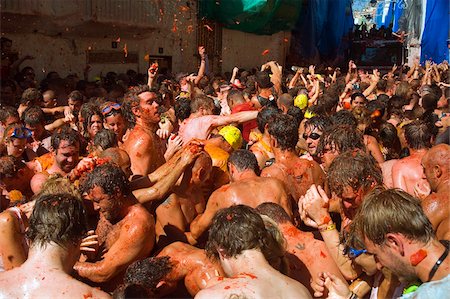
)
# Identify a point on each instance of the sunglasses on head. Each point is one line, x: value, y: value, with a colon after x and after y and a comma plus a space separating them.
x: 20, y: 132
x: 313, y: 136
x: 109, y: 108
x: 353, y: 253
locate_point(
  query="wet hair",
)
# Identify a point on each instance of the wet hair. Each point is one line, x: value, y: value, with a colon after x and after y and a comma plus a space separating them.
x: 235, y: 96
x: 148, y: 272
x: 240, y: 228
x: 353, y: 168
x: 105, y: 139
x: 201, y: 101
x: 274, y: 211
x: 244, y: 160
x: 33, y: 115
x: 32, y: 96
x: 376, y: 105
x: 65, y: 133
x: 381, y: 85
x: 296, y: 113
x: 429, y: 101
x: 182, y: 108
x: 344, y: 117
x: 9, y: 165
x: 56, y: 183
x: 286, y: 100
x: 109, y: 177
x: 392, y: 211
x: 357, y: 94
x: 265, y: 116
x: 76, y: 96
x: 131, y: 291
x: 59, y: 218
x: 328, y: 103
x: 87, y: 112
x: 418, y: 135
x: 388, y: 138
x: 341, y: 138
x: 284, y: 129
x: 7, y: 111
x: 402, y: 90
x: 320, y: 122
x: 132, y: 100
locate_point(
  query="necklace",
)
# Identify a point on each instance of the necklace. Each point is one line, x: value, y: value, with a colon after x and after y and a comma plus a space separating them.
x: 439, y: 261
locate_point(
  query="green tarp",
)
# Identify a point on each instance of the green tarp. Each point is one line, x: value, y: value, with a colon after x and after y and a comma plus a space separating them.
x: 263, y: 17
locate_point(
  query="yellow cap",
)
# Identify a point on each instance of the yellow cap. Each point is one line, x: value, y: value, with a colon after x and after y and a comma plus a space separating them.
x: 309, y: 114
x: 232, y: 135
x: 301, y: 101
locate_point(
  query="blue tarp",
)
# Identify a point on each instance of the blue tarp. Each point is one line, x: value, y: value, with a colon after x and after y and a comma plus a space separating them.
x: 435, y: 33
x: 321, y: 27
x: 382, y: 19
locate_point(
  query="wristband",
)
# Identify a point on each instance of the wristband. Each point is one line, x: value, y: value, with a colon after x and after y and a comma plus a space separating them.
x: 353, y: 296
x: 329, y: 227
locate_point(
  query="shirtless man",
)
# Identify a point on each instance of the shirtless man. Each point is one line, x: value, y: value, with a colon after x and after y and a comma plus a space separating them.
x: 126, y: 230
x: 66, y: 148
x: 308, y: 257
x: 246, y: 188
x: 261, y: 148
x: 57, y: 226
x: 351, y: 176
x: 175, y: 214
x: 176, y: 262
x: 202, y: 121
x: 407, y: 173
x: 15, y: 175
x: 436, y: 167
x: 145, y: 148
x: 298, y: 174
x: 239, y: 239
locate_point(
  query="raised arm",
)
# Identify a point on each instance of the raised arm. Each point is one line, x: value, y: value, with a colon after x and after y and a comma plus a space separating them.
x: 313, y: 210
x: 166, y: 182
x: 239, y: 117
x: 202, y: 69
x: 152, y: 71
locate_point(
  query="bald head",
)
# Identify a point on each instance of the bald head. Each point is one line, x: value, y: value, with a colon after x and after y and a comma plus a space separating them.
x: 201, y: 168
x: 436, y: 165
x: 119, y: 157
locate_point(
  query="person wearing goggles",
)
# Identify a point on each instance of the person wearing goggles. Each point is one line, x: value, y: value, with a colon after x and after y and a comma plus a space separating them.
x: 113, y: 119
x: 15, y: 140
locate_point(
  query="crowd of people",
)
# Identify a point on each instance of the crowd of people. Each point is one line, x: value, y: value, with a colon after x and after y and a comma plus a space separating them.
x: 259, y: 183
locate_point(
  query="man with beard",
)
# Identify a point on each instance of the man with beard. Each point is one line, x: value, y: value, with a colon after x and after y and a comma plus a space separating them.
x: 126, y: 230
x: 66, y: 150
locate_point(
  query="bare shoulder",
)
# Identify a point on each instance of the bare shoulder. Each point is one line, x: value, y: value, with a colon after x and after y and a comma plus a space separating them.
x: 7, y: 219
x: 225, y: 289
x: 37, y: 181
x: 273, y: 171
x: 138, y: 219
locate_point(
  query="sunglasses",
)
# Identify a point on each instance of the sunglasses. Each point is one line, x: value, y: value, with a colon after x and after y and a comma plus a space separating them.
x: 109, y: 108
x: 353, y: 253
x: 21, y: 133
x: 313, y: 136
